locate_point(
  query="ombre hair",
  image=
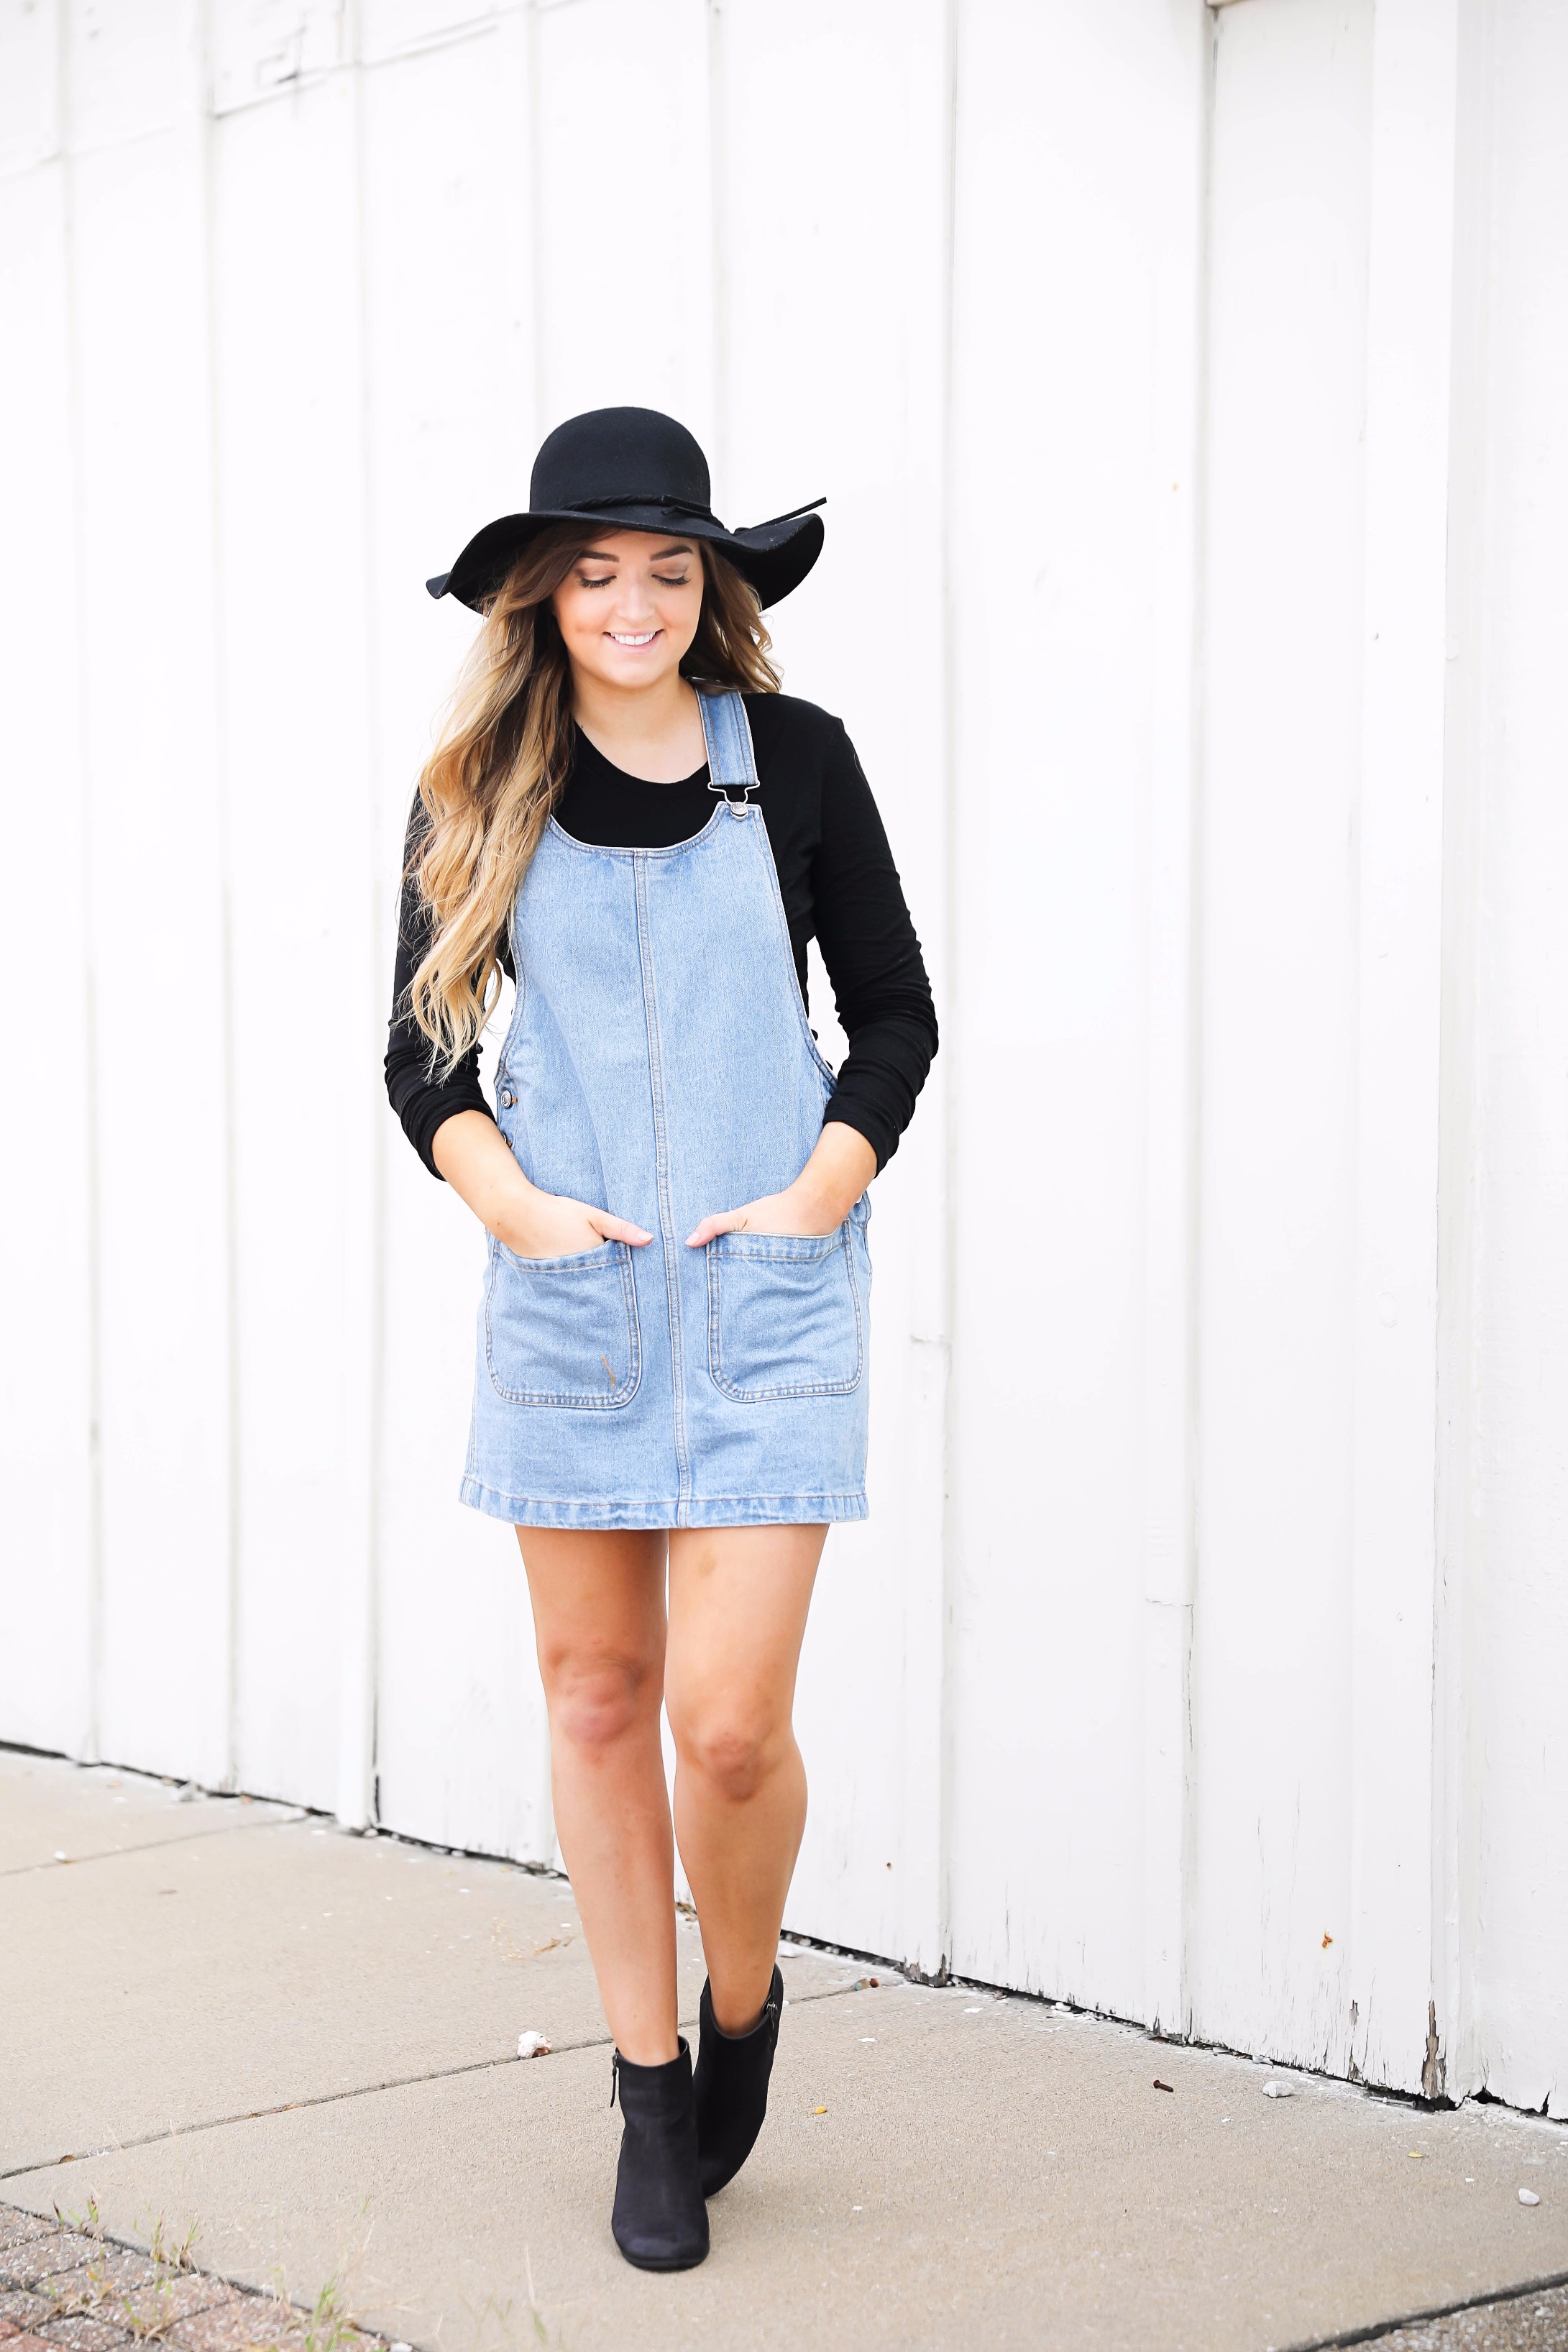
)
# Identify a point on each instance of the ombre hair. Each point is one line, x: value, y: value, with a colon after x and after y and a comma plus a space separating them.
x: 500, y: 763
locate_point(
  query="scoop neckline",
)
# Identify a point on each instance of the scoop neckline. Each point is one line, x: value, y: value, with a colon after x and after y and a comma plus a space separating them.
x: 649, y: 784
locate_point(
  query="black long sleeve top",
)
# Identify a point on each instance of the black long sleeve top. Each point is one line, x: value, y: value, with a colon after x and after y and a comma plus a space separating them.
x: 837, y: 881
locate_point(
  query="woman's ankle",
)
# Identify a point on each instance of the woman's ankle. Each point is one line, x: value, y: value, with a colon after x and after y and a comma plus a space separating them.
x: 647, y: 2049
x: 736, y: 2033
x: 735, y: 2019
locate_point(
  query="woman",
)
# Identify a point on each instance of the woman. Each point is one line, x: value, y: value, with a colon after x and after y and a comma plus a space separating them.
x: 624, y: 814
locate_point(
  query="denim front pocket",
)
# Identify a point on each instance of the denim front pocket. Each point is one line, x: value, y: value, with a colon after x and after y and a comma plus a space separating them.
x: 784, y: 1315
x: 563, y: 1330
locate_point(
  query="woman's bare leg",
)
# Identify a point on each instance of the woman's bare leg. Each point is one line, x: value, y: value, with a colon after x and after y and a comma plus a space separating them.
x: 598, y: 1620
x: 738, y: 1598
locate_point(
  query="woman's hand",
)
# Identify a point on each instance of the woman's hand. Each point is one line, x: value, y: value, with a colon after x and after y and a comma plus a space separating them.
x: 792, y: 1211
x: 477, y: 1163
x: 551, y: 1224
x: 818, y: 1201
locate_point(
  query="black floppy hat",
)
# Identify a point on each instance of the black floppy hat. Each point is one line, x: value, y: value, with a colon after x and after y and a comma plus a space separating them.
x: 631, y: 469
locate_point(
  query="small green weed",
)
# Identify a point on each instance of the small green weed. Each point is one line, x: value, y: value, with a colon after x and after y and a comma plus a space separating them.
x: 328, y: 2326
x: 175, y: 2253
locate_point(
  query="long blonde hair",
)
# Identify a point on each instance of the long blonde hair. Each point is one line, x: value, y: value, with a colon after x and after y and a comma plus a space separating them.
x: 501, y: 760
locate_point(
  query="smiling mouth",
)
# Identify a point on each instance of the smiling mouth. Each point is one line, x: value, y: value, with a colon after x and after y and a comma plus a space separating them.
x: 645, y: 637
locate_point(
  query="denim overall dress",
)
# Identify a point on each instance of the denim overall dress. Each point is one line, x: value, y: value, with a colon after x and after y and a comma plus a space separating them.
x: 659, y: 1064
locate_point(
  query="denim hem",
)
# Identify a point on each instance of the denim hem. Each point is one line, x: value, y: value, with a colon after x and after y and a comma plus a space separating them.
x: 666, y: 1511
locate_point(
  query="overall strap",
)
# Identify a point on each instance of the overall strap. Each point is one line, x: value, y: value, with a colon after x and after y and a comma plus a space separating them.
x: 727, y: 730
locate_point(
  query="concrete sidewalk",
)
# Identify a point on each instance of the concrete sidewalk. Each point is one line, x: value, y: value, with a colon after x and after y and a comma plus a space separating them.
x: 228, y: 2017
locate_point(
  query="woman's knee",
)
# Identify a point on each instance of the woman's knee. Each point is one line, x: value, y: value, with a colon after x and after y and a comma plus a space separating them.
x: 597, y: 1701
x: 735, y: 1753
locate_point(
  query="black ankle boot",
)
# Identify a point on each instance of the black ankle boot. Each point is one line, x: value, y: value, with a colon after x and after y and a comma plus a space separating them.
x: 658, y: 2219
x: 731, y: 2088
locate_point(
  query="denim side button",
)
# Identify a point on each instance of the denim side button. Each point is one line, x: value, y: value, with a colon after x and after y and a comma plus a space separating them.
x: 508, y: 1098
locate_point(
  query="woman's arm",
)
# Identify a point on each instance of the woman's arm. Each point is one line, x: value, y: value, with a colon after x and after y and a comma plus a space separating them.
x: 820, y: 1199
x: 872, y: 956
x: 421, y: 1101
x: 476, y: 1160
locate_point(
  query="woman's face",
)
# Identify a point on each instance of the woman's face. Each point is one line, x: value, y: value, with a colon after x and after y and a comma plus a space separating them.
x: 629, y: 605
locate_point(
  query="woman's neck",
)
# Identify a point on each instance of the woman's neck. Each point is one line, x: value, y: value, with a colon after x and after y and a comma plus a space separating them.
x: 655, y: 732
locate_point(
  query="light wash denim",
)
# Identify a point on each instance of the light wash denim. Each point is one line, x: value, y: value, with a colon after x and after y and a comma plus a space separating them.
x: 659, y: 1064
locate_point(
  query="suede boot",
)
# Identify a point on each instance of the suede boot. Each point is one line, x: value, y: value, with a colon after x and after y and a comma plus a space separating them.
x: 731, y: 2088
x: 659, y: 2219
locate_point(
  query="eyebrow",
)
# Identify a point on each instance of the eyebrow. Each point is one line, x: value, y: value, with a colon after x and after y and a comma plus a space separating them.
x: 676, y: 547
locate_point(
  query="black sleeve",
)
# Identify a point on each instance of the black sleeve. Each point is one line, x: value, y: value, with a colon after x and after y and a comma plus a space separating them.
x: 873, y: 961
x: 420, y: 1100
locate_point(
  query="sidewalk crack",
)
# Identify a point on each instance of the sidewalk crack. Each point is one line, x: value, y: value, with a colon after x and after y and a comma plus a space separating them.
x: 1374, y: 2331
x: 354, y: 2091
x: 151, y: 1845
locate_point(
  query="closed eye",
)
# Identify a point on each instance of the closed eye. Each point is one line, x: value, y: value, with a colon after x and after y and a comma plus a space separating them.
x: 664, y: 579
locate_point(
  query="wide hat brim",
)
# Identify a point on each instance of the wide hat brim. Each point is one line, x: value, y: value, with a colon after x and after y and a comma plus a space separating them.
x: 775, y: 557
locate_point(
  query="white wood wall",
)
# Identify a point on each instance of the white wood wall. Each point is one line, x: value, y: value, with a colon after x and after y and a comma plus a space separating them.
x: 1189, y: 392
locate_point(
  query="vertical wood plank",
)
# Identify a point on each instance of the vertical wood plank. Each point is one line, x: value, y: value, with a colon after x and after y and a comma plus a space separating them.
x: 1170, y: 1339
x: 1501, y: 1891
x: 156, y: 946
x: 1461, y: 1616
x: 1064, y: 120
x: 1399, y: 915
x: 916, y: 1452
x: 47, y: 1366
x: 294, y: 700
x: 1281, y: 687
